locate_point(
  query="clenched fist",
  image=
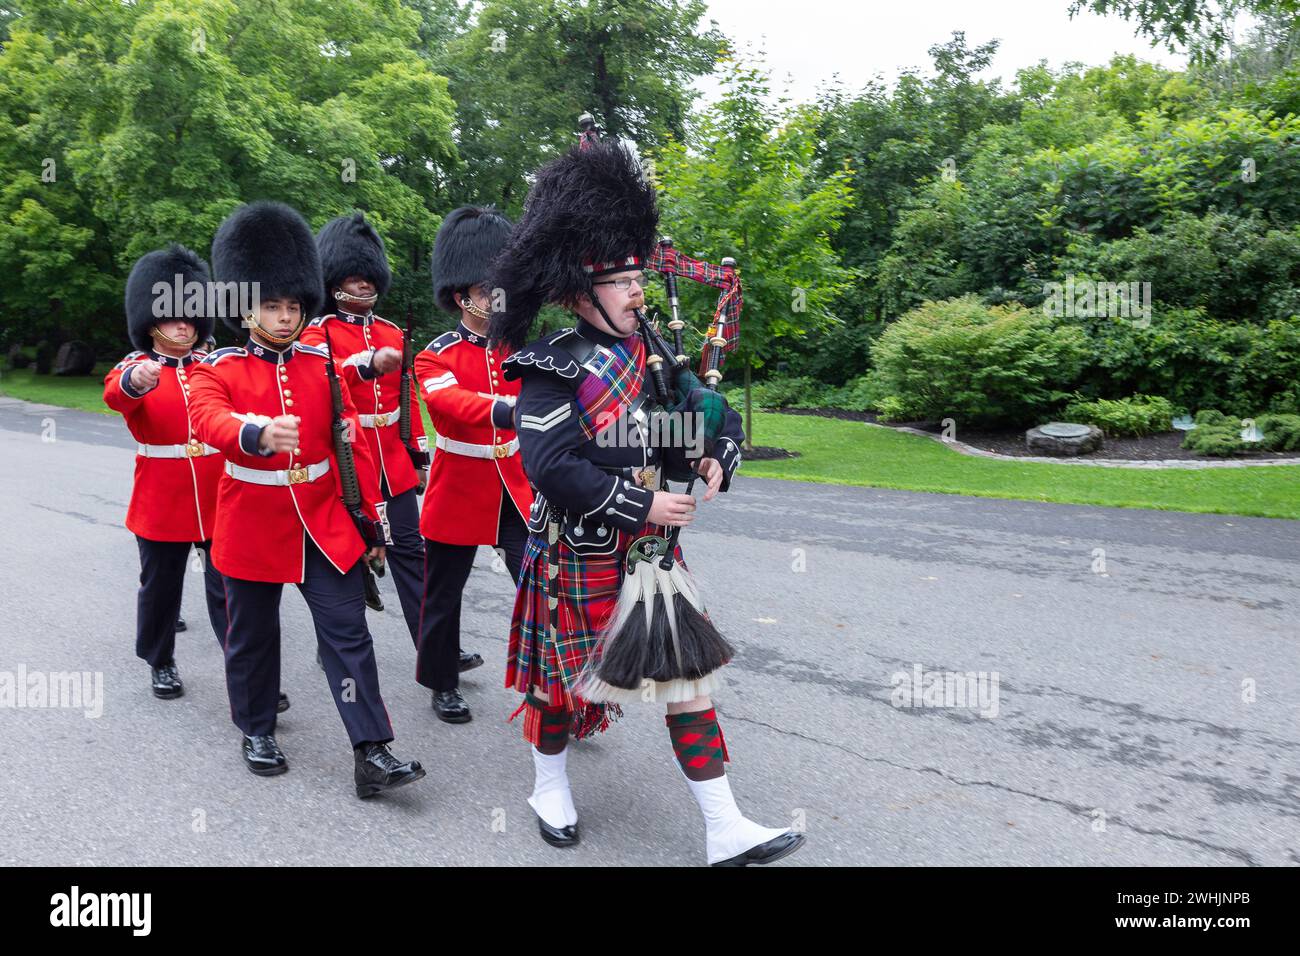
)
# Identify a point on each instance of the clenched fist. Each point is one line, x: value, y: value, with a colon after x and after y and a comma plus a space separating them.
x: 386, y: 360
x: 281, y: 435
x: 144, y: 375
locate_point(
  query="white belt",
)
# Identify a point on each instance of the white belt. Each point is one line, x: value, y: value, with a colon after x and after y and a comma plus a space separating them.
x: 379, y: 421
x: 289, y: 476
x: 195, y: 449
x: 477, y: 451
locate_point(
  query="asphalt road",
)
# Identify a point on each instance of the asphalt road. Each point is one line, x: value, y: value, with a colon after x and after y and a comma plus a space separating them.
x: 1147, y: 705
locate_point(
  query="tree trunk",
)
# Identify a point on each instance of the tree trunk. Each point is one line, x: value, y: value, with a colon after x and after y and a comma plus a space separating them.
x: 749, y: 414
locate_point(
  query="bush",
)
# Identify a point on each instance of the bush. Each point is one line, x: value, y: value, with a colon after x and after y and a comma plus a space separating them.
x: 976, y: 363
x: 1136, y: 416
x: 781, y: 392
x: 1217, y: 434
x: 1196, y: 361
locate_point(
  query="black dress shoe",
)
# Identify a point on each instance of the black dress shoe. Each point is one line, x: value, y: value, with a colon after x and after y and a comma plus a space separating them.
x: 558, y: 836
x: 167, y: 682
x: 769, y: 852
x: 263, y: 756
x: 378, y: 770
x: 181, y: 625
x: 450, y: 706
x: 282, y: 704
x: 469, y: 661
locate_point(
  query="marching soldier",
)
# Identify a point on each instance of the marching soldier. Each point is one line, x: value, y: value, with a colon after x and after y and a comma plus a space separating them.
x: 174, y: 495
x: 289, y: 455
x: 368, y: 350
x: 477, y: 493
x: 586, y: 233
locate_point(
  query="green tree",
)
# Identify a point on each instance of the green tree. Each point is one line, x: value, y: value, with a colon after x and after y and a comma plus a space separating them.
x: 746, y: 185
x: 526, y: 69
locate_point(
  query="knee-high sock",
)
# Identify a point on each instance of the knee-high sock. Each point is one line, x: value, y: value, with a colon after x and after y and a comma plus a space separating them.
x: 546, y: 726
x: 698, y: 744
x: 701, y: 751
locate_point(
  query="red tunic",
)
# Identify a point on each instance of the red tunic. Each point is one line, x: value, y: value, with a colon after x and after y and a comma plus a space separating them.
x: 262, y: 529
x: 460, y: 380
x: 354, y: 340
x: 173, y: 498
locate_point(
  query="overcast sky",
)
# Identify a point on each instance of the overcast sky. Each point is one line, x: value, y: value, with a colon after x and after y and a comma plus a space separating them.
x: 807, y: 42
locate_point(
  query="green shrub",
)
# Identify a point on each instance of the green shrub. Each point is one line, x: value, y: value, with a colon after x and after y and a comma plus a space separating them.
x: 780, y: 392
x: 1218, y: 440
x: 859, y: 395
x: 1281, y: 432
x: 1136, y: 416
x: 1217, y: 434
x: 979, y: 364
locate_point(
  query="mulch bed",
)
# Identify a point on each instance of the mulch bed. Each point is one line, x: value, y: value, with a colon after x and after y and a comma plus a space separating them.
x: 1166, y: 446
x: 767, y: 453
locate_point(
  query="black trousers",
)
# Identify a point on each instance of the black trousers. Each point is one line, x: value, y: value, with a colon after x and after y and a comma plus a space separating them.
x: 446, y: 570
x: 338, y: 610
x: 405, y: 556
x: 163, y: 565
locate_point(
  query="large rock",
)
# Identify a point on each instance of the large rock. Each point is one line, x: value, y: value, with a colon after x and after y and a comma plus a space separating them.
x: 74, y: 358
x: 17, y: 357
x: 1063, y: 439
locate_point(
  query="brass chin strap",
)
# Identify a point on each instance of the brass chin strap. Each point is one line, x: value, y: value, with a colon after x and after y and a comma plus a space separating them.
x: 158, y: 335
x: 269, y: 338
x: 468, y: 305
x: 365, y: 301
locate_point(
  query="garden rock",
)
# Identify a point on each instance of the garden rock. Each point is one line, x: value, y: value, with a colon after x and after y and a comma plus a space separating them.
x: 1063, y: 439
x: 74, y: 358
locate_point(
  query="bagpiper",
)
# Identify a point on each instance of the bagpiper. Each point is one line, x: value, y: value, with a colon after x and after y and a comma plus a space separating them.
x: 368, y: 349
x: 282, y: 418
x: 477, y: 493
x: 586, y: 233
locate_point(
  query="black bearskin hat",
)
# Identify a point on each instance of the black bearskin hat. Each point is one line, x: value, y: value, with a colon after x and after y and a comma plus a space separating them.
x: 271, y: 244
x: 164, y: 265
x: 349, y: 246
x: 590, y: 212
x: 468, y: 240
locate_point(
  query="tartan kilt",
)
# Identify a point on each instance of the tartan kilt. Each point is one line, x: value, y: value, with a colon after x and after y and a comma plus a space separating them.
x: 588, y: 589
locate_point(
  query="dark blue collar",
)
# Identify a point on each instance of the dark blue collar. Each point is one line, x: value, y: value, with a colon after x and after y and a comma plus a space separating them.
x: 171, y: 361
x: 268, y: 354
x: 351, y: 319
x: 473, y: 338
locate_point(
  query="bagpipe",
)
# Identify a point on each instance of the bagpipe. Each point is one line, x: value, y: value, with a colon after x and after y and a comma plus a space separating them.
x: 660, y: 634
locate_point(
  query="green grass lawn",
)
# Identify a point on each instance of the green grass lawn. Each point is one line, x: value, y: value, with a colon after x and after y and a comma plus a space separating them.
x: 851, y: 453
x: 85, y: 392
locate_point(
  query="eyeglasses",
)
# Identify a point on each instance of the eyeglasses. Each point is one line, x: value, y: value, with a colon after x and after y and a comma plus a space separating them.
x: 624, y: 284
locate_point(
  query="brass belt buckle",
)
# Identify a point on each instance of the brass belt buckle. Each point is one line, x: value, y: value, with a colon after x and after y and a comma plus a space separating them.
x: 648, y: 478
x: 298, y: 475
x: 194, y: 449
x: 500, y: 451
x: 381, y: 420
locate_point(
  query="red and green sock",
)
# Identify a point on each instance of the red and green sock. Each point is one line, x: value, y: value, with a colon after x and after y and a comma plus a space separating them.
x: 698, y: 744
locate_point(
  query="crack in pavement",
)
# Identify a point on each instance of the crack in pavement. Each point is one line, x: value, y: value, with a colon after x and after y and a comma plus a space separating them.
x: 1073, y: 808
